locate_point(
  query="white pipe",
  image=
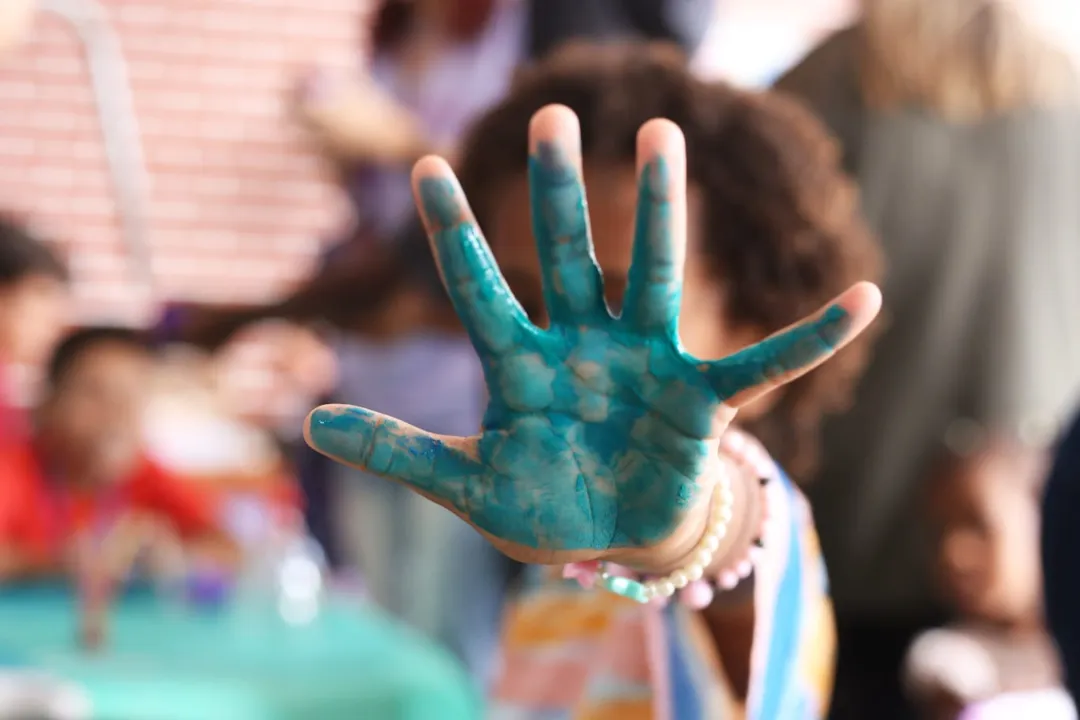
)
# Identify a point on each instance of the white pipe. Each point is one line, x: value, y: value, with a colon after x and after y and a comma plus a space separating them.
x: 119, y: 126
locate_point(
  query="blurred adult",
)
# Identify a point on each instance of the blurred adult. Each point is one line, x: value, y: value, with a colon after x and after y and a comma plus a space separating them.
x: 959, y: 120
x: 435, y: 65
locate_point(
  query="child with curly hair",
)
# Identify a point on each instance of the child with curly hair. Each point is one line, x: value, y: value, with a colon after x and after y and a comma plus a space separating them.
x: 607, y: 446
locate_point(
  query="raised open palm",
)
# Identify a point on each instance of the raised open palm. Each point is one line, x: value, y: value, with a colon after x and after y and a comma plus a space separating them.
x: 601, y: 431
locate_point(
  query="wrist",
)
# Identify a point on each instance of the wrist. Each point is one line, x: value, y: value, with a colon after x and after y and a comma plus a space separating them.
x: 703, y: 554
x: 724, y: 545
x: 740, y: 531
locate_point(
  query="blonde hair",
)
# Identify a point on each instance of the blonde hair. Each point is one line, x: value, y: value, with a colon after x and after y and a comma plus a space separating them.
x: 962, y: 59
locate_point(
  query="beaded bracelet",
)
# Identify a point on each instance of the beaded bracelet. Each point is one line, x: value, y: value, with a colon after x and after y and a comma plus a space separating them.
x: 692, y: 589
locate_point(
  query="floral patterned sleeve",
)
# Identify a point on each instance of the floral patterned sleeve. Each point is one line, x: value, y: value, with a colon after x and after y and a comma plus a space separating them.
x: 570, y: 654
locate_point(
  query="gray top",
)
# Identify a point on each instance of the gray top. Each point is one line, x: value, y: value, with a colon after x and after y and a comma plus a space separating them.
x: 980, y: 225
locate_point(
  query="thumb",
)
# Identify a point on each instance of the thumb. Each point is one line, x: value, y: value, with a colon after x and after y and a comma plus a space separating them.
x: 436, y: 466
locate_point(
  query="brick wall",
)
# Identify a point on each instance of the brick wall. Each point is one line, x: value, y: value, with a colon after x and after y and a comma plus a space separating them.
x: 236, y: 200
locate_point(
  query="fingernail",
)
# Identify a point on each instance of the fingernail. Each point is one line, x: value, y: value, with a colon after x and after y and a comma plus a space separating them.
x: 342, y: 432
x: 438, y: 195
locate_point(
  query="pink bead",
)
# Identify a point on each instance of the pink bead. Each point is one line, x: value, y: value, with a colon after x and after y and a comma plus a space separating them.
x: 728, y: 579
x: 584, y: 573
x: 697, y: 595
x: 744, y: 568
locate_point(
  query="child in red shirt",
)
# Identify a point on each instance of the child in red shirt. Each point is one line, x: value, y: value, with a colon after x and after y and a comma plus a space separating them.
x: 82, y: 470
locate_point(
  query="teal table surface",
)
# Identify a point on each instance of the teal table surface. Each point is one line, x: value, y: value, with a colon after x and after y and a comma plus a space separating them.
x: 163, y: 662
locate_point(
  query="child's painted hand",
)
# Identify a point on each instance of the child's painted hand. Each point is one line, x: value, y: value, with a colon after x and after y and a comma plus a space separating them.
x: 600, y: 439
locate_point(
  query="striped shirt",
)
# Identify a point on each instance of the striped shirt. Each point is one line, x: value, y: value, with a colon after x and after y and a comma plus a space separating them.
x: 570, y: 654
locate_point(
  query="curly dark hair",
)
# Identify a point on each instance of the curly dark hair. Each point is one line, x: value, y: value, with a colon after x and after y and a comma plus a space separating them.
x: 782, y: 226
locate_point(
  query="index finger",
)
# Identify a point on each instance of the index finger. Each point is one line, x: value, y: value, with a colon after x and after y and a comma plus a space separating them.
x: 491, y: 314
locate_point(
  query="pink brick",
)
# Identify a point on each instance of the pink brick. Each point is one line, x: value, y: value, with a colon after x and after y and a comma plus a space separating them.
x: 238, y: 205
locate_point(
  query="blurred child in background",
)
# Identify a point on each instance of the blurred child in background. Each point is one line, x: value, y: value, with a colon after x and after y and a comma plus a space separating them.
x: 82, y: 469
x: 987, y: 517
x: 33, y: 310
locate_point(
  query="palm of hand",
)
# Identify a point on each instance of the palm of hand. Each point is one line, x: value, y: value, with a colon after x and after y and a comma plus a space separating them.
x: 600, y: 430
x: 595, y: 438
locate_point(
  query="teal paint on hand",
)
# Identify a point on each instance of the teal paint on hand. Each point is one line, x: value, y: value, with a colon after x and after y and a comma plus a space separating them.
x: 573, y: 288
x: 598, y: 428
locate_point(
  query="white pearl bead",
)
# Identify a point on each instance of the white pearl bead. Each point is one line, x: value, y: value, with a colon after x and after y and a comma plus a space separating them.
x: 711, y: 543
x: 694, y: 572
x: 726, y: 515
x: 727, y: 497
x: 664, y: 588
x: 650, y: 589
x: 703, y: 557
x: 679, y: 579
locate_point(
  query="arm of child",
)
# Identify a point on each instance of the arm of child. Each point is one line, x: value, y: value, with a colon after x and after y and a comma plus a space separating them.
x: 192, y: 512
x: 945, y: 670
x: 358, y: 121
x: 16, y: 564
x: 18, y: 561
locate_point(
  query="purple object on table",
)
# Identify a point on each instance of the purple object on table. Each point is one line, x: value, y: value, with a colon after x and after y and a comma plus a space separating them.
x: 169, y: 323
x: 208, y: 588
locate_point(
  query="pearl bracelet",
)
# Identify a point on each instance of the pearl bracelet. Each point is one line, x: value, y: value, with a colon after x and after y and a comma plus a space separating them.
x: 688, y: 582
x: 664, y: 587
x: 702, y: 556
